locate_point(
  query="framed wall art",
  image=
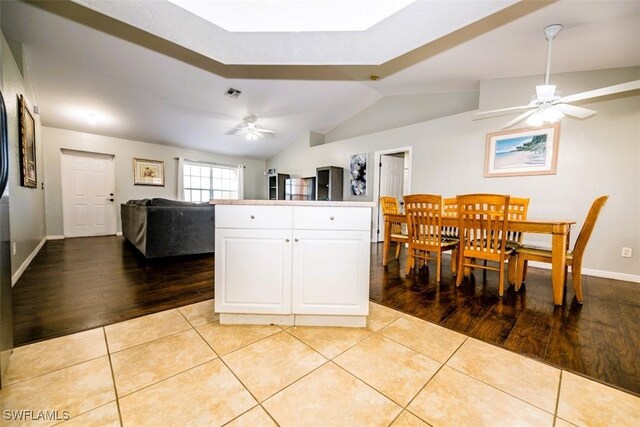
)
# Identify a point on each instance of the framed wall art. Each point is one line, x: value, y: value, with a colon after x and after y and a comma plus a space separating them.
x: 27, y: 136
x: 148, y: 172
x: 358, y: 174
x: 519, y: 152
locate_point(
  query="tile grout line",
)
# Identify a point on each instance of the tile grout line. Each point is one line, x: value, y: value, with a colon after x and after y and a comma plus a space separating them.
x: 555, y: 414
x: 230, y: 370
x: 406, y: 407
x: 113, y: 376
x: 493, y: 386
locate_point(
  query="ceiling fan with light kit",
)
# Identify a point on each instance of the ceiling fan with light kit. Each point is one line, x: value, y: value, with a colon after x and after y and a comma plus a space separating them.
x: 251, y: 129
x: 547, y: 106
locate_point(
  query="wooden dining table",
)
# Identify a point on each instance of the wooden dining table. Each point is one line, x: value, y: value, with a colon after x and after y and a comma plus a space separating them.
x: 558, y: 229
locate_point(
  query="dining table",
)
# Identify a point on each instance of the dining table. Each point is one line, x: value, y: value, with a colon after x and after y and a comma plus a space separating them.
x: 558, y: 229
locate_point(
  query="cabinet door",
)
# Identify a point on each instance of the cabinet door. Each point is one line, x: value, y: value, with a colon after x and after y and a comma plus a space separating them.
x: 253, y: 271
x: 330, y: 272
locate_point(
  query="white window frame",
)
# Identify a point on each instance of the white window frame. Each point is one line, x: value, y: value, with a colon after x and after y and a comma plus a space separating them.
x: 238, y: 169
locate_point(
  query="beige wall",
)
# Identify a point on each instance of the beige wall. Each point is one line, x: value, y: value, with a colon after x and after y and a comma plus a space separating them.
x: 26, y: 205
x: 124, y: 151
x: 597, y: 156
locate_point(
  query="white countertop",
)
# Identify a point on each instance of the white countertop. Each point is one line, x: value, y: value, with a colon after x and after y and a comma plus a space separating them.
x: 345, y: 204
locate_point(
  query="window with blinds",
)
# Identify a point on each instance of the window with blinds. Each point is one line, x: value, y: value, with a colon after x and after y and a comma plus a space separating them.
x: 206, y: 181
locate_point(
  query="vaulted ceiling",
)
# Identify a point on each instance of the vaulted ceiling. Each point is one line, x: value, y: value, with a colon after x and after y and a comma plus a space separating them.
x: 156, y: 72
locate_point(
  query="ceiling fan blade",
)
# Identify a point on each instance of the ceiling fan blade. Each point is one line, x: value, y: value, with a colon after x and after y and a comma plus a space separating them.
x: 574, y: 111
x: 261, y: 130
x: 235, y: 131
x: 502, y: 110
x: 609, y: 90
x: 519, y: 118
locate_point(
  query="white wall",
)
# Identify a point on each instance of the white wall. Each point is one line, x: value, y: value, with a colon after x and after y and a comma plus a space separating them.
x: 124, y: 151
x: 26, y: 205
x: 600, y: 155
x: 403, y: 110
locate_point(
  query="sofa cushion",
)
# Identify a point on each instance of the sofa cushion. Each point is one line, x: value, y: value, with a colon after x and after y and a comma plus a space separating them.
x: 166, y: 202
x: 140, y: 202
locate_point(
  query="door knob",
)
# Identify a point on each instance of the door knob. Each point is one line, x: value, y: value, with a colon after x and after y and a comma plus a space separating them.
x: 111, y: 194
x: 111, y: 200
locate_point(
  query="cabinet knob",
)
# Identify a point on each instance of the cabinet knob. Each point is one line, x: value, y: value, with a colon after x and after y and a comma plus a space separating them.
x: 331, y: 218
x: 253, y: 217
x: 286, y: 240
x: 295, y: 240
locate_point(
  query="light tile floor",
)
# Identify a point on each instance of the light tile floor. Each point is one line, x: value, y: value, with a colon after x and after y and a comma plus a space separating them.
x: 182, y: 368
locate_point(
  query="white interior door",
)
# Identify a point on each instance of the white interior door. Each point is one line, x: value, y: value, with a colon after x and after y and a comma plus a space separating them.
x: 392, y: 177
x: 88, y: 194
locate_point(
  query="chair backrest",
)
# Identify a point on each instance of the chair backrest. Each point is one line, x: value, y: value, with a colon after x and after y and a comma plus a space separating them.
x: 482, y: 222
x: 587, y: 227
x: 450, y: 206
x: 424, y: 219
x: 518, y: 207
x: 389, y: 205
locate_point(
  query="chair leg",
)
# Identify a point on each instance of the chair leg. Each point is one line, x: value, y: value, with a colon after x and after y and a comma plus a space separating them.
x: 520, y: 269
x: 501, y: 280
x: 385, y: 252
x: 439, y: 263
x: 576, y: 275
x: 524, y: 270
x: 398, y: 250
x: 511, y: 268
x: 460, y: 274
x: 454, y: 261
x: 410, y: 260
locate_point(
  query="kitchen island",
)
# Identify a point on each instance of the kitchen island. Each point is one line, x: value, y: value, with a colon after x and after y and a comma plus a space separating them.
x: 292, y: 262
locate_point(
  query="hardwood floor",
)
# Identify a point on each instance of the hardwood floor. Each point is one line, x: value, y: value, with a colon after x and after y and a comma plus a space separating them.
x: 79, y: 284
x: 600, y: 338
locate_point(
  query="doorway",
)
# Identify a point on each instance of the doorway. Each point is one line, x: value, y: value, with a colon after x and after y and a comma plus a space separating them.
x: 392, y: 177
x: 88, y: 194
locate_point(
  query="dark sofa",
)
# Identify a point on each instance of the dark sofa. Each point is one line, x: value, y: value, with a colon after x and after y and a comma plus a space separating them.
x: 161, y: 227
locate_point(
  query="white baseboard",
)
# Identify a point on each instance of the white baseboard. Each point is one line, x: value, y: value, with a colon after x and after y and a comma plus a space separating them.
x: 593, y: 272
x: 56, y: 237
x: 25, y: 264
x: 118, y: 233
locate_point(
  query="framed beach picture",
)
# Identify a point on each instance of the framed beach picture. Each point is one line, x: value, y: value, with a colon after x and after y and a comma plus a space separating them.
x: 27, y: 136
x: 520, y: 152
x: 358, y: 174
x: 148, y: 172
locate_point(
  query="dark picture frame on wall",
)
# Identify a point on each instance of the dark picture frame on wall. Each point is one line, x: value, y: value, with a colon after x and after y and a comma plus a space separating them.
x: 27, y: 136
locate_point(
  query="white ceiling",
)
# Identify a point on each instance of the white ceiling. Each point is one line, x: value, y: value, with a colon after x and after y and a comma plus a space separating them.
x: 145, y: 88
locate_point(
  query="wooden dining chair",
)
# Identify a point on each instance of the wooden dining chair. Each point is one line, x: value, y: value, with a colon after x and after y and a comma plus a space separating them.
x: 424, y: 225
x: 574, y: 258
x: 517, y: 209
x: 450, y: 209
x: 389, y: 205
x: 482, y: 226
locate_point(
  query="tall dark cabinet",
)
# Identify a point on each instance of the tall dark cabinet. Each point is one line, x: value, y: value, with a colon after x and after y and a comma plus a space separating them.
x: 275, y: 185
x: 329, y: 183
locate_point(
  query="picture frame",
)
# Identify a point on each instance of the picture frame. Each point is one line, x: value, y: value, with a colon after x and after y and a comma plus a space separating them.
x: 358, y: 174
x: 522, y: 152
x: 27, y: 138
x: 148, y: 172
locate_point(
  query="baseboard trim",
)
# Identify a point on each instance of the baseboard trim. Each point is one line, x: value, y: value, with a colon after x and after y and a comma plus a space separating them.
x: 593, y: 272
x: 55, y: 237
x: 25, y: 264
x: 118, y: 233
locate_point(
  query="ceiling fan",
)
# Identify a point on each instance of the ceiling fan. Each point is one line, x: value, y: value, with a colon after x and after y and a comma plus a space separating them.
x: 251, y: 129
x: 547, y: 106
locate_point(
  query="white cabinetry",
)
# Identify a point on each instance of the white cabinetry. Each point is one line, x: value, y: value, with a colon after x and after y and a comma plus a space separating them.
x: 292, y: 264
